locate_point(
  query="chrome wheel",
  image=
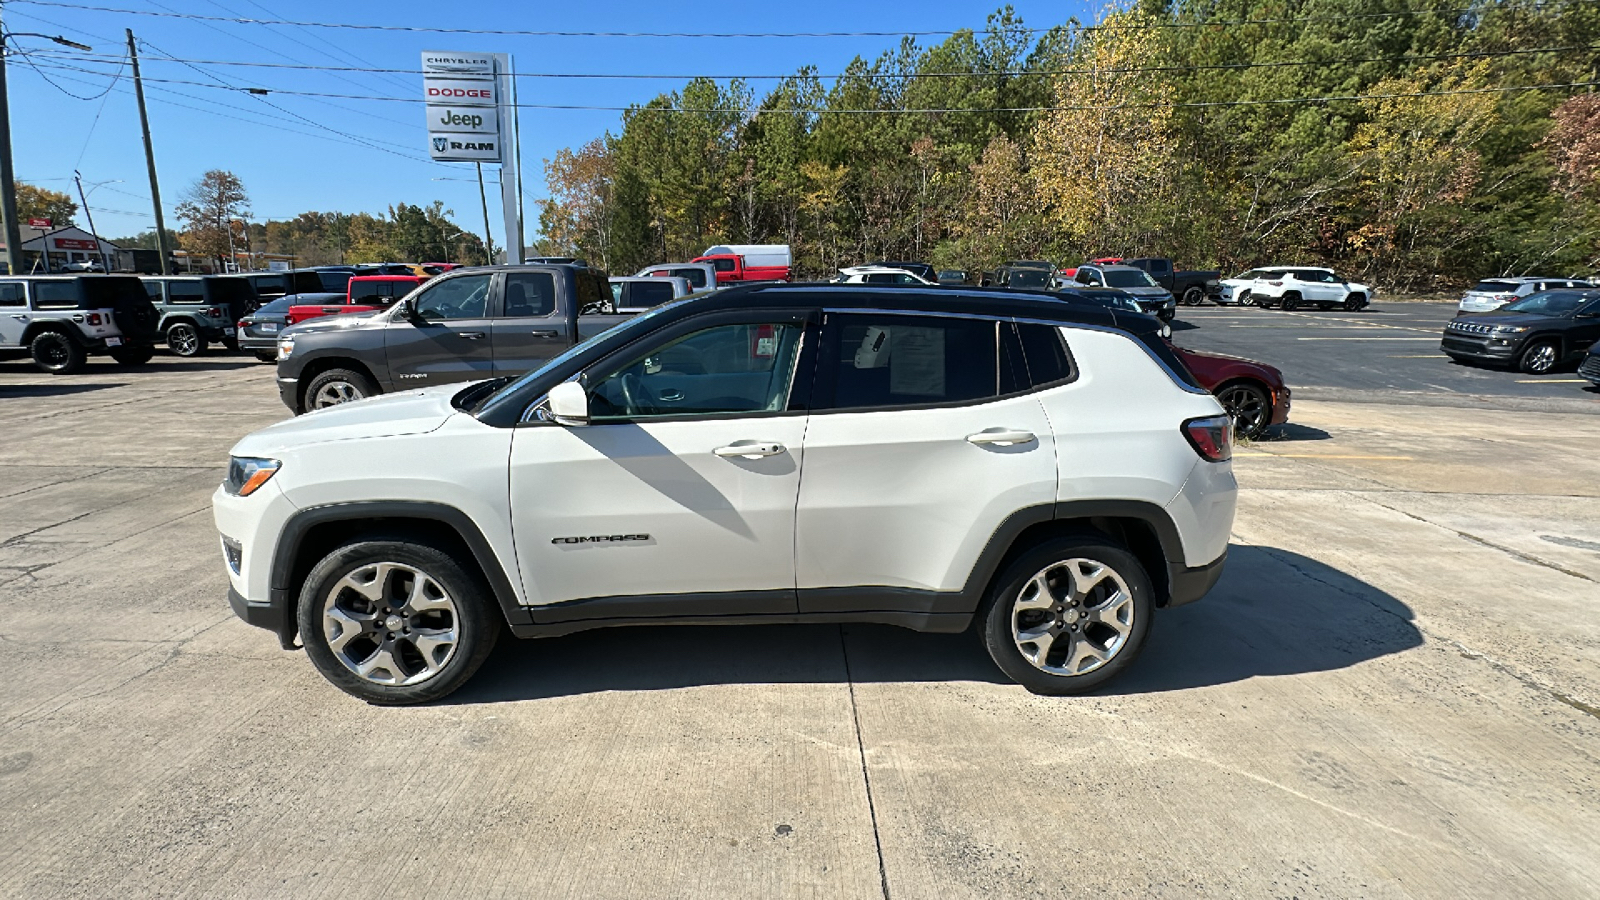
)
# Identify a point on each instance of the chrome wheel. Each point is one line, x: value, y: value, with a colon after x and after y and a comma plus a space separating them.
x: 390, y: 624
x: 1246, y: 300
x: 1539, y: 358
x: 1073, y: 617
x: 183, y: 340
x: 1249, y: 408
x: 334, y: 393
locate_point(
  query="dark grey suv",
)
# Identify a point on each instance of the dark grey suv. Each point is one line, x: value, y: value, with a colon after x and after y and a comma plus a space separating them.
x: 197, y: 310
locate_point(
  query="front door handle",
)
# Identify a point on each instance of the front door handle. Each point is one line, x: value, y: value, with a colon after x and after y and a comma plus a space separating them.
x: 545, y: 333
x: 671, y: 395
x: 1002, y: 437
x: 470, y: 335
x: 749, y: 450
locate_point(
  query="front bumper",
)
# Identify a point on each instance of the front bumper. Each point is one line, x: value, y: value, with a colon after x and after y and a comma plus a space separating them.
x: 1484, y: 348
x: 1280, y: 409
x: 250, y: 528
x: 274, y: 617
x: 289, y: 393
x: 1590, y: 368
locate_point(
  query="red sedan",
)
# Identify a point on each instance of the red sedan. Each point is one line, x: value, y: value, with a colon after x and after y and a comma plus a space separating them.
x: 1253, y: 393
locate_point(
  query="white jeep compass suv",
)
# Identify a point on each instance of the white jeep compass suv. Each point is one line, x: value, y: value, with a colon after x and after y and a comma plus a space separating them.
x: 922, y: 457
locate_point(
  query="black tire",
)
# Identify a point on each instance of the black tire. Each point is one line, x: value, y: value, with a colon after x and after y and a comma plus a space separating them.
x: 1354, y: 302
x: 57, y: 353
x: 133, y: 356
x: 384, y: 637
x: 183, y: 339
x: 337, y: 386
x: 1193, y: 297
x: 1290, y: 302
x: 1249, y: 405
x: 1051, y: 561
x: 1245, y: 299
x: 267, y: 355
x: 231, y: 343
x: 1539, y: 357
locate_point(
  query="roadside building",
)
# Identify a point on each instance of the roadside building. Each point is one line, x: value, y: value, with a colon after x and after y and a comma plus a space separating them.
x: 52, y: 249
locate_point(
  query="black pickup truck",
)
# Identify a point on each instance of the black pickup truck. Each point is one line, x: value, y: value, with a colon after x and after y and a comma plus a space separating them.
x: 466, y: 325
x: 1190, y: 288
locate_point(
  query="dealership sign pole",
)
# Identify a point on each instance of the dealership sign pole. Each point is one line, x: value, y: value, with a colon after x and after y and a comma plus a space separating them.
x: 469, y: 121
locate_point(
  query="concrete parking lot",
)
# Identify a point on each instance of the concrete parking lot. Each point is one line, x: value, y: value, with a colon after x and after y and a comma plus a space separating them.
x: 1393, y: 692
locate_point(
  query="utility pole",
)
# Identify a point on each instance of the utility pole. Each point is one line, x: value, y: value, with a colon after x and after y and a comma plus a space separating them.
x: 149, y: 159
x: 8, y: 184
x: 488, y: 247
x: 100, y: 251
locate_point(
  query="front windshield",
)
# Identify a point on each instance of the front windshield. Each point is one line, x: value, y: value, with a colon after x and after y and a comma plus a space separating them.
x: 1551, y: 303
x: 617, y: 336
x: 1126, y: 278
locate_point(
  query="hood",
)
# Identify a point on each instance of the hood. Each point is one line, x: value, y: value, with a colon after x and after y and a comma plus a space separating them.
x: 410, y: 412
x: 1501, y: 317
x: 1147, y: 293
x: 333, y: 323
x: 317, y: 299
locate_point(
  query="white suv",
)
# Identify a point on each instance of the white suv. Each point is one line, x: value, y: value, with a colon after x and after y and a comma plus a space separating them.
x: 1291, y: 289
x: 784, y: 453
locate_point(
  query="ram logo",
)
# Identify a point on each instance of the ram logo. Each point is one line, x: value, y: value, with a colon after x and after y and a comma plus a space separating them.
x: 441, y: 144
x: 601, y: 539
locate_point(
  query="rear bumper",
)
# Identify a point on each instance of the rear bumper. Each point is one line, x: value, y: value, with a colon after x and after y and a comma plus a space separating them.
x: 258, y: 342
x: 1190, y: 584
x: 1280, y: 409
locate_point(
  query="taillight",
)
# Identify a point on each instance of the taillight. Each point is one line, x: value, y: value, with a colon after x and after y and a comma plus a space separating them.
x: 214, y: 312
x: 94, y: 319
x: 1211, y: 437
x: 1505, y: 298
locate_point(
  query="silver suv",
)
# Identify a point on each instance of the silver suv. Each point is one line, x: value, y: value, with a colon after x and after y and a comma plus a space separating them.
x: 61, y: 320
x: 1492, y: 293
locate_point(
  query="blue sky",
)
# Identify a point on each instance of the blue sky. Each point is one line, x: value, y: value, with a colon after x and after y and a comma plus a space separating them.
x: 295, y: 158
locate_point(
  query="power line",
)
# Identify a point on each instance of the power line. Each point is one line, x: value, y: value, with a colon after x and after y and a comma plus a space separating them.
x: 907, y: 76
x: 27, y: 58
x: 244, y: 20
x: 929, y: 111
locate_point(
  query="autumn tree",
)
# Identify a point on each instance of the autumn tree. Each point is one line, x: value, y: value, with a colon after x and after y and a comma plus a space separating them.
x: 208, y: 210
x: 42, y: 203
x: 578, y: 215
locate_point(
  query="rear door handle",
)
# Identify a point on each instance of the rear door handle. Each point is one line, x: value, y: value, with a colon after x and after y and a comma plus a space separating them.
x: 545, y: 333
x: 1002, y: 437
x: 470, y: 335
x: 749, y: 450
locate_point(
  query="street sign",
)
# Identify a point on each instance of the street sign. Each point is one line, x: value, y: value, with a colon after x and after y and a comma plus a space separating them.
x: 41, y: 223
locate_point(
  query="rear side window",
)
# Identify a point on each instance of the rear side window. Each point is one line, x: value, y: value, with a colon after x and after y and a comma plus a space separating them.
x: 55, y: 295
x: 237, y: 293
x: 589, y: 294
x: 723, y: 265
x: 530, y: 294
x: 185, y: 292
x: 896, y: 361
x: 13, y: 293
x: 111, y: 293
x: 334, y: 282
x: 304, y: 283
x: 649, y: 293
x: 271, y: 285
x: 696, y: 276
x: 1046, y: 354
x: 1496, y: 287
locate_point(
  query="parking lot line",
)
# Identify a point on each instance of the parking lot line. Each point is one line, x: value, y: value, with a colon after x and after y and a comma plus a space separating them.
x: 1421, y: 356
x: 1365, y: 339
x: 1313, y: 455
x: 1552, y: 381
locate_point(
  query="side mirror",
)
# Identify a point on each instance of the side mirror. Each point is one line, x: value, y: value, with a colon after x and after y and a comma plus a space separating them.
x: 569, y: 404
x: 407, y: 310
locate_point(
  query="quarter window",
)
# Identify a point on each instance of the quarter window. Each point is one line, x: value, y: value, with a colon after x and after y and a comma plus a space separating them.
x: 726, y: 369
x: 1046, y: 353
x: 890, y: 361
x: 13, y: 293
x: 186, y: 292
x: 463, y: 297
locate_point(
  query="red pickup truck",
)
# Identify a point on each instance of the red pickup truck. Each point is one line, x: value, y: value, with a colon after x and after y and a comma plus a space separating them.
x: 367, y: 293
x: 749, y: 262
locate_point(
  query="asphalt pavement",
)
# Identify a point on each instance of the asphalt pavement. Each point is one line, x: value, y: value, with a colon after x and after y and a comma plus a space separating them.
x: 1389, y: 350
x: 1393, y: 692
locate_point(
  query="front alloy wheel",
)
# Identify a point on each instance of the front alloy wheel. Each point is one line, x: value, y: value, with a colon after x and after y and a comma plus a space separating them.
x: 1539, y: 358
x: 1069, y: 615
x: 1249, y: 408
x: 395, y: 622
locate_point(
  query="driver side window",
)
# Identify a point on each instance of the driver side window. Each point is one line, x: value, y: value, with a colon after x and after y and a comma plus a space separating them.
x: 462, y: 297
x: 726, y: 369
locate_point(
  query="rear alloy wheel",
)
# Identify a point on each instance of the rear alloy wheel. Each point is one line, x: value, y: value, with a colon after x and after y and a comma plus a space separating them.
x: 395, y: 622
x: 1249, y: 406
x: 1355, y: 302
x: 337, y: 386
x: 1538, y: 358
x: 1291, y: 302
x: 184, y: 340
x: 1193, y: 296
x: 1069, y: 615
x: 133, y: 356
x: 56, y: 353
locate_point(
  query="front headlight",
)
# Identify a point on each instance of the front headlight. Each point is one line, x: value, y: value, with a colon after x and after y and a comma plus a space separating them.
x: 1510, y: 329
x: 285, y: 347
x: 248, y: 473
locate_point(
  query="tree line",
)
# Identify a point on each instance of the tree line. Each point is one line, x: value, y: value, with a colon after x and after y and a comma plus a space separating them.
x: 1399, y: 142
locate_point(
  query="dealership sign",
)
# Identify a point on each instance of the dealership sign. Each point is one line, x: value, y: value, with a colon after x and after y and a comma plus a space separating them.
x: 463, y: 106
x: 41, y: 223
x: 74, y: 244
